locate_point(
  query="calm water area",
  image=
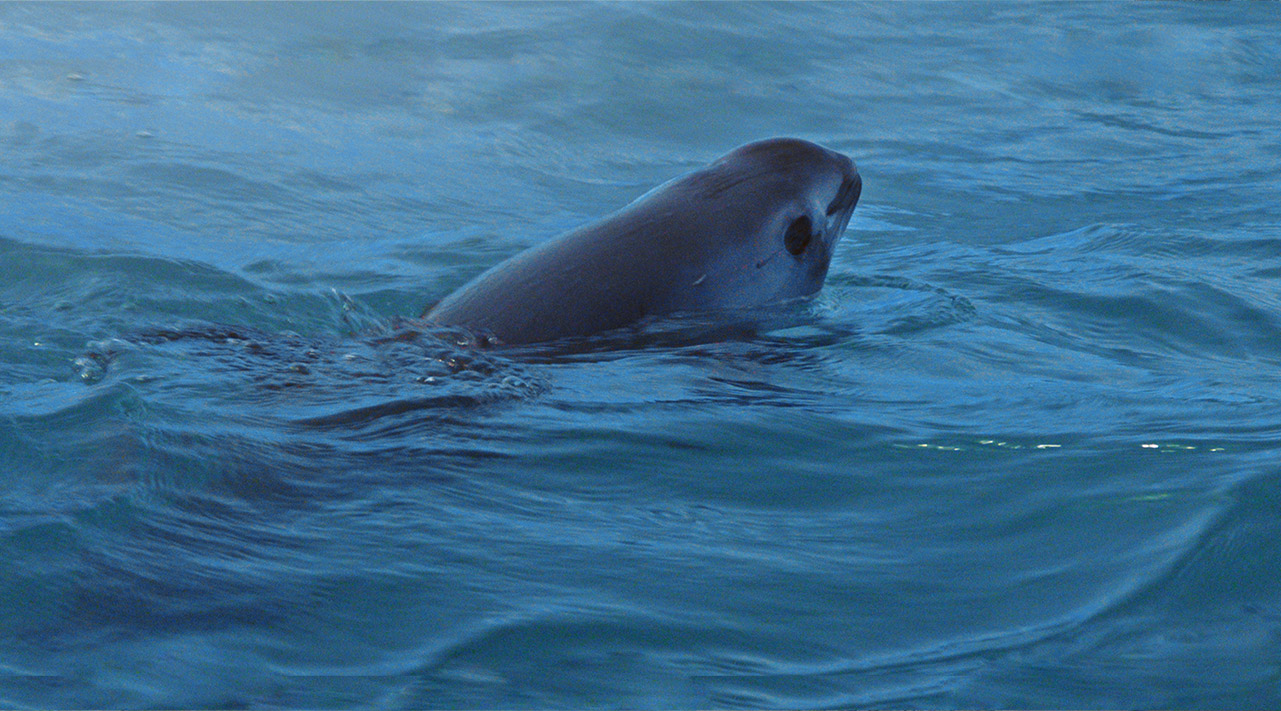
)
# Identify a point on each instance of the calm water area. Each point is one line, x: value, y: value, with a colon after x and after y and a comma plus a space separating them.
x: 1023, y: 450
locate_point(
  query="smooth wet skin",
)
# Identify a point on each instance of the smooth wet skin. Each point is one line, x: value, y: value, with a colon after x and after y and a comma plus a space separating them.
x: 757, y: 226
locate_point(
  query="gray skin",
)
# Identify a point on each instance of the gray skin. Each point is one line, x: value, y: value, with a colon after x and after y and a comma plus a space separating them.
x: 757, y: 226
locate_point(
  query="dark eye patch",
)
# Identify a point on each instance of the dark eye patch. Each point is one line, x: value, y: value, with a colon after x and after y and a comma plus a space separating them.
x: 798, y: 236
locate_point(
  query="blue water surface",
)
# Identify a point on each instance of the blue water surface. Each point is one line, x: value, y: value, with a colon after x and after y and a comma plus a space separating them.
x: 1024, y: 450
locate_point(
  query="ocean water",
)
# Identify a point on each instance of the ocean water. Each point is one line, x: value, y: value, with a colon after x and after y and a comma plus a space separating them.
x: 1024, y: 450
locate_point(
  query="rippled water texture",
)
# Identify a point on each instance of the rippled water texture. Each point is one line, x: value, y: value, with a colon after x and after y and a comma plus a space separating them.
x: 1022, y: 451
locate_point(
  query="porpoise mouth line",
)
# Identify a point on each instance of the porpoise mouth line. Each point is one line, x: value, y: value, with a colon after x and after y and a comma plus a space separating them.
x: 847, y: 196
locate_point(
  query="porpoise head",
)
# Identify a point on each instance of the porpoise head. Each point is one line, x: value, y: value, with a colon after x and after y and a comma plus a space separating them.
x: 757, y: 226
x: 766, y: 220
